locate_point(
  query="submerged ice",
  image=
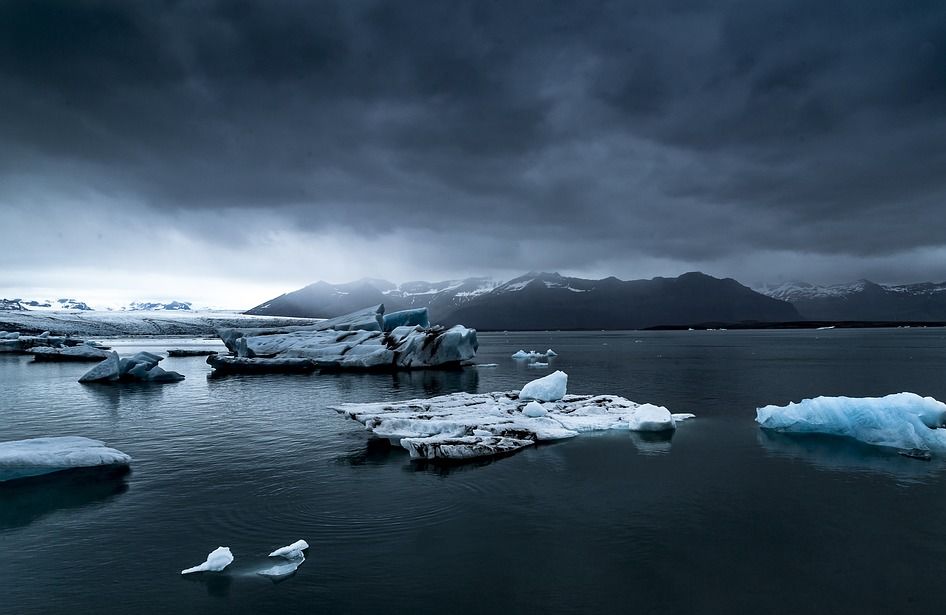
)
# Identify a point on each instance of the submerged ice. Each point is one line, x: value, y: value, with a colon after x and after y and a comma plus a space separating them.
x: 292, y: 556
x: 465, y: 425
x: 903, y: 421
x: 37, y: 456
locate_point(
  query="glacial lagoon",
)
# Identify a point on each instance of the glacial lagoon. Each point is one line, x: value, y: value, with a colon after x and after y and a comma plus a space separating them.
x: 720, y: 516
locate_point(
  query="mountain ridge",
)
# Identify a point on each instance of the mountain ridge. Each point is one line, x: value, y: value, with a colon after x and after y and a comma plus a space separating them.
x: 546, y: 300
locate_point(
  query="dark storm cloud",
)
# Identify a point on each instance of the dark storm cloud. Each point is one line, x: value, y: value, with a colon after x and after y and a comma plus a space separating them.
x: 689, y: 131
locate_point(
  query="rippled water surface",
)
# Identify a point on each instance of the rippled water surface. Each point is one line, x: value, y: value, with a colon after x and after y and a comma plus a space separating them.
x: 721, y: 518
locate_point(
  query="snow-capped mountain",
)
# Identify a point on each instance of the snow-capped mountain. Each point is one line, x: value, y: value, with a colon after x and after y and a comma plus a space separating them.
x: 44, y: 305
x: 545, y: 301
x: 864, y: 300
x: 324, y: 299
x: 141, y: 306
x: 541, y: 301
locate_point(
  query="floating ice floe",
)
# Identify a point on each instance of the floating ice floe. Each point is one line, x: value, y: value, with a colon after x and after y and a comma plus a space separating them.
x: 141, y: 367
x: 217, y: 560
x: 16, y: 343
x: 38, y: 456
x: 534, y: 355
x: 293, y: 551
x: 190, y: 352
x: 294, y: 556
x: 465, y: 425
x: 83, y: 352
x: 903, y: 421
x: 361, y: 341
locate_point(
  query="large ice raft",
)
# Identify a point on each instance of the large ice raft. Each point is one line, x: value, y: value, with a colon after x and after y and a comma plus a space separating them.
x: 362, y: 340
x: 466, y: 426
x: 903, y: 421
x: 38, y: 456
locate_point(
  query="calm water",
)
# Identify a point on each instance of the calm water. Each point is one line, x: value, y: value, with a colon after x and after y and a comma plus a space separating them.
x: 722, y: 518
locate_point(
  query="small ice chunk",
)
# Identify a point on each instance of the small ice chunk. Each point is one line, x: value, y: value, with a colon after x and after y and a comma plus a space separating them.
x: 292, y: 551
x: 551, y: 353
x: 547, y: 388
x: 648, y: 417
x: 217, y: 560
x: 534, y: 410
x: 538, y: 364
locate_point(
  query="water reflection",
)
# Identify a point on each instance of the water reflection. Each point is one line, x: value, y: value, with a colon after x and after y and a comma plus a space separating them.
x: 438, y: 382
x: 839, y: 454
x: 217, y: 583
x: 375, y: 451
x: 652, y: 442
x: 24, y: 501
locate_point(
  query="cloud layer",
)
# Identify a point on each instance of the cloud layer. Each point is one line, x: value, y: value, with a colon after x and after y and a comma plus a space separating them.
x: 301, y: 140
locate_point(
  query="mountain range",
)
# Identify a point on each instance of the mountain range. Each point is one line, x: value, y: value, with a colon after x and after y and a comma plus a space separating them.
x: 74, y: 305
x: 541, y: 301
x: 864, y: 300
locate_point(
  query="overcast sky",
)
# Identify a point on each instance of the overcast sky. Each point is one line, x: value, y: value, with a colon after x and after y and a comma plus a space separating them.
x: 226, y: 152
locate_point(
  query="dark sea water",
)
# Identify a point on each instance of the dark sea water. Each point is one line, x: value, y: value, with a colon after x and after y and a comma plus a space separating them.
x: 721, y: 519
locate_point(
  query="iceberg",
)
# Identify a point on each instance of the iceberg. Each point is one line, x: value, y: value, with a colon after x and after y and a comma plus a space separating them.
x: 82, y: 352
x: 902, y: 421
x: 225, y: 364
x: 17, y: 343
x: 217, y: 560
x: 547, y: 388
x: 465, y: 425
x: 37, y: 456
x: 372, y: 347
x: 141, y: 367
x: 534, y: 355
x: 293, y: 551
x: 406, y: 318
x: 294, y: 556
x: 190, y: 352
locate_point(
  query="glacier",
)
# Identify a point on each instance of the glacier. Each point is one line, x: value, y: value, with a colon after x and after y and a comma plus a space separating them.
x: 903, y: 421
x: 465, y: 425
x: 38, y: 456
x: 217, y: 560
x: 140, y: 367
x: 362, y: 340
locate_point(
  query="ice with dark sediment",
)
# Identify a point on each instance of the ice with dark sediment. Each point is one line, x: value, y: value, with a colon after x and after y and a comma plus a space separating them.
x: 357, y: 341
x: 38, y: 456
x: 17, y: 343
x: 467, y: 425
x: 140, y: 367
x: 82, y: 352
x: 191, y: 352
